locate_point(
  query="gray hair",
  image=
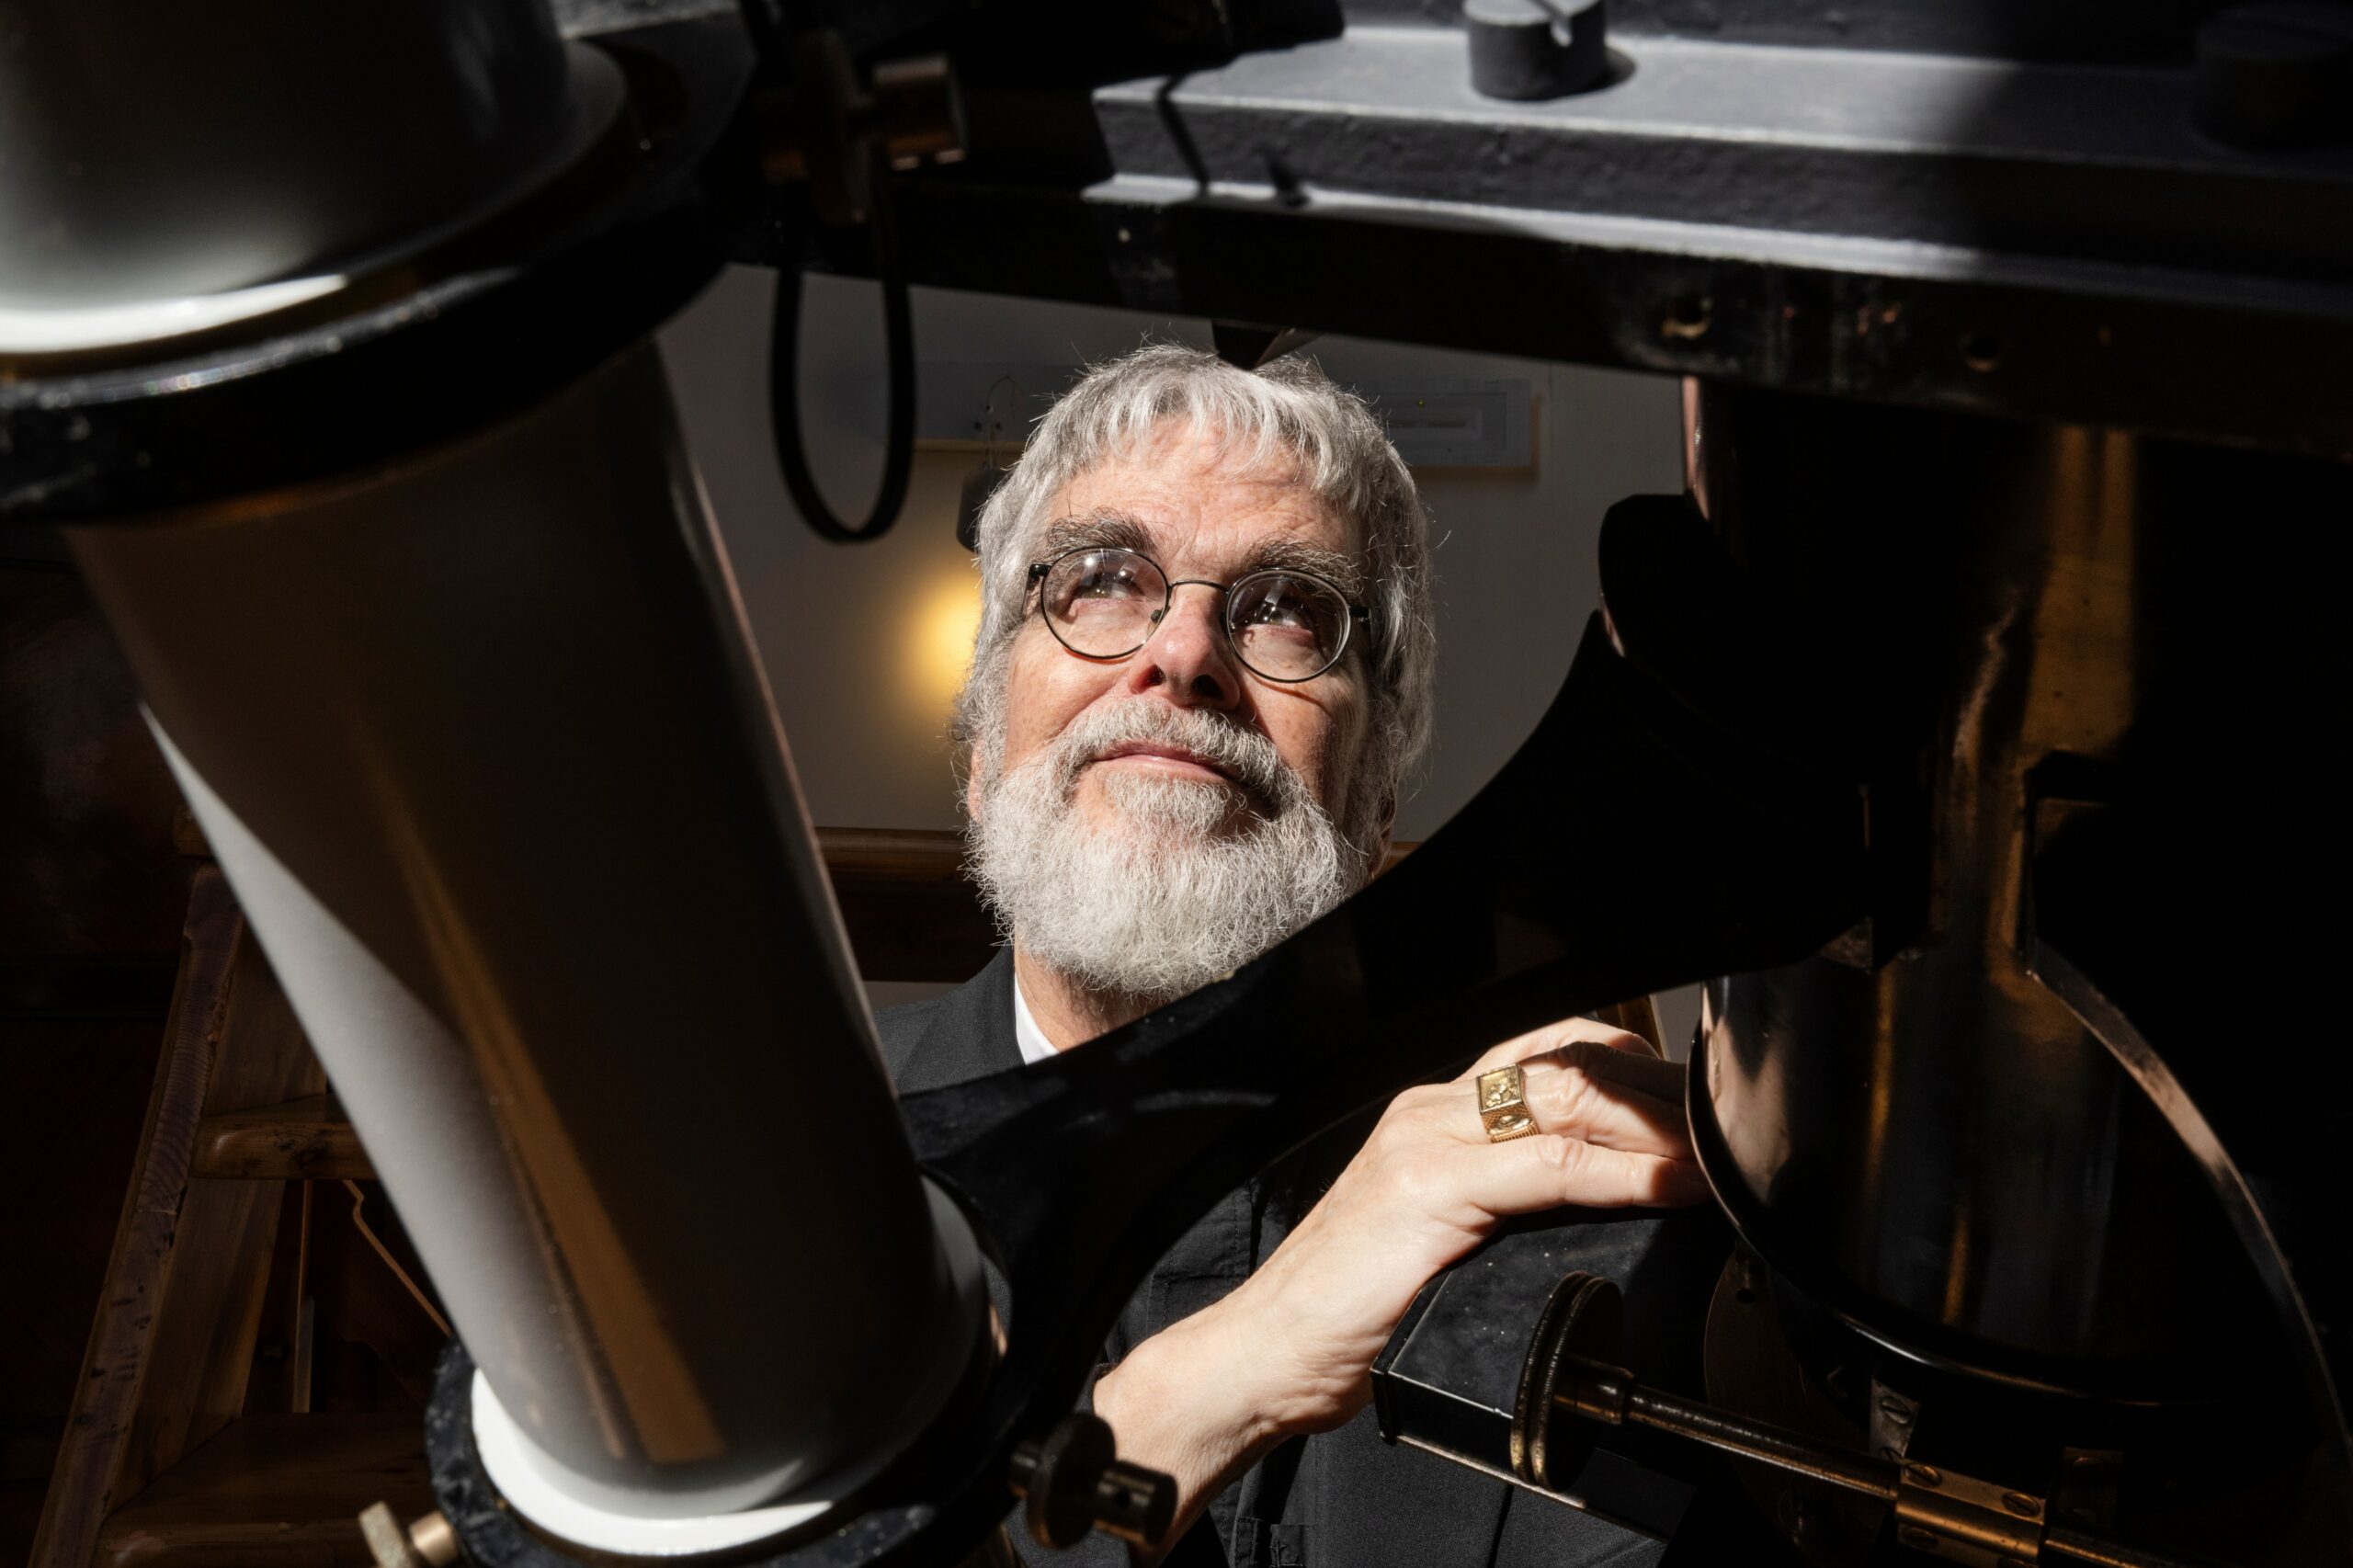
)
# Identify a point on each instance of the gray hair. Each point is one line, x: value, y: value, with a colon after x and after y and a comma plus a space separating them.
x: 1289, y: 408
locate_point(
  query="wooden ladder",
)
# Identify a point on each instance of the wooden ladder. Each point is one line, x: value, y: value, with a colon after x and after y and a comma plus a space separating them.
x: 174, y: 1450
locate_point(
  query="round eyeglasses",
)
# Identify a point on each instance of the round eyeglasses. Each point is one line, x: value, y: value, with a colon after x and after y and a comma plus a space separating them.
x: 1284, y: 625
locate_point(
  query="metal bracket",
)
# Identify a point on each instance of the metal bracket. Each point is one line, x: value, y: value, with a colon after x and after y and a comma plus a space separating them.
x: 1892, y: 1419
x: 2086, y: 1493
x: 1962, y: 1519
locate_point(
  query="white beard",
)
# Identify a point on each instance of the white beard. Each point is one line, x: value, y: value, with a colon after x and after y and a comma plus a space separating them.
x: 1190, y: 880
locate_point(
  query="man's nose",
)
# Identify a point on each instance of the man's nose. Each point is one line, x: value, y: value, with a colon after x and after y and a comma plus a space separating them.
x: 1188, y: 658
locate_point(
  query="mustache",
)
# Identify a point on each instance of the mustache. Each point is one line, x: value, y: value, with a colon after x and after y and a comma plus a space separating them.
x: 1248, y: 756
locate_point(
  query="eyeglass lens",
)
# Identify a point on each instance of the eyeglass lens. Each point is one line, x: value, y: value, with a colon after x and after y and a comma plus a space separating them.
x: 1104, y: 604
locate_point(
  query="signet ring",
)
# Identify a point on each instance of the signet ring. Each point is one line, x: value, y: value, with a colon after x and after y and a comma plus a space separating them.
x: 1503, y: 1105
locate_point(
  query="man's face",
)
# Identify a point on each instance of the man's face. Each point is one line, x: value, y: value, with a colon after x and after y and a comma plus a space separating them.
x: 1199, y: 516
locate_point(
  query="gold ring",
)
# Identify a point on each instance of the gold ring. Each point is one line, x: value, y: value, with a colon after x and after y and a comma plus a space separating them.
x: 1503, y: 1105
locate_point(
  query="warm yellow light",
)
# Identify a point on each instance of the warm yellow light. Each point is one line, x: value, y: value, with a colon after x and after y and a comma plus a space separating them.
x: 940, y: 646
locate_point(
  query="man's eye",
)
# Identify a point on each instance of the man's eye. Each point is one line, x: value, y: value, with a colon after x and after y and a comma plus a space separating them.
x: 1281, y: 607
x: 1275, y: 612
x: 1106, y: 585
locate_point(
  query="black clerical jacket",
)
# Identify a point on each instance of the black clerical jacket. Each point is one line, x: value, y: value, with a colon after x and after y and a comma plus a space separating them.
x: 1342, y: 1499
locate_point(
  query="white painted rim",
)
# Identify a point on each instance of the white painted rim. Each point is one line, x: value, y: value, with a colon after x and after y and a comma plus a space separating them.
x: 537, y: 1487
x: 598, y: 93
x: 142, y: 321
x: 524, y: 1477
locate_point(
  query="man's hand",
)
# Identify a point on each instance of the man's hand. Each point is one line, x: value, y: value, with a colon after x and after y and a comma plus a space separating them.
x: 1290, y: 1351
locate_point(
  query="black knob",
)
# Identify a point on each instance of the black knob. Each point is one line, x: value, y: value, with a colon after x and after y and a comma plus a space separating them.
x: 1072, y: 1483
x: 1537, y: 48
x: 1585, y: 1320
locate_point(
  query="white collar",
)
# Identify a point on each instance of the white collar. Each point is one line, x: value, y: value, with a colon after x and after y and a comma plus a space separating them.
x: 1035, y: 1045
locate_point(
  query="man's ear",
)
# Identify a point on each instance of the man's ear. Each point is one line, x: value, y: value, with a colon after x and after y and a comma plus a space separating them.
x: 971, y: 790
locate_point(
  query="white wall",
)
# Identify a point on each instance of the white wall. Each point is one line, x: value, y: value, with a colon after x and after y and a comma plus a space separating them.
x: 863, y: 676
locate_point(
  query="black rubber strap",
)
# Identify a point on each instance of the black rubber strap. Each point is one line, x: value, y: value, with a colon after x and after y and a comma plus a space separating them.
x: 773, y: 26
x: 784, y: 368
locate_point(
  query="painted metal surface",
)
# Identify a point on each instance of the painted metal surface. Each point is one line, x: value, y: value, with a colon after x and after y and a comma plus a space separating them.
x: 172, y: 154
x: 482, y: 745
x: 1938, y: 1130
x: 2043, y: 233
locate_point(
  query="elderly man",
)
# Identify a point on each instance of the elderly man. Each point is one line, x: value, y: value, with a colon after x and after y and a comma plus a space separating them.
x: 1203, y: 672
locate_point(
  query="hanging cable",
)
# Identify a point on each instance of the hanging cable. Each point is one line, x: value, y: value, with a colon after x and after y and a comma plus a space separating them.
x: 847, y: 181
x: 784, y: 373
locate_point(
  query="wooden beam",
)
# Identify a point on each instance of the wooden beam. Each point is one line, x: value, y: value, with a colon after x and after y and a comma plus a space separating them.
x: 275, y: 1492
x: 210, y: 1314
x: 305, y: 1139
x: 171, y: 1346
x: 909, y: 911
x: 90, y: 1459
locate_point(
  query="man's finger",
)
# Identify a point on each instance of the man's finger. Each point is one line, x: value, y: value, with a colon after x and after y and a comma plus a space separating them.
x: 1528, y: 1175
x: 1602, y: 1060
x: 1568, y: 1093
x: 1554, y: 1036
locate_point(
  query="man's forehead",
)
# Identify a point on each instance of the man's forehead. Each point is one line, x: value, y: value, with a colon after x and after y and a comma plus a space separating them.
x: 1185, y: 497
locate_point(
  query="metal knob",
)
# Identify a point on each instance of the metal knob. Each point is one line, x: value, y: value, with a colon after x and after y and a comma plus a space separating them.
x: 1585, y: 1320
x: 1074, y: 1481
x: 428, y: 1542
x: 1536, y: 48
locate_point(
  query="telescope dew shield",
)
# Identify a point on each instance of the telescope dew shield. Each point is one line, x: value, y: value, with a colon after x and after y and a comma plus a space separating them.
x: 175, y: 151
x: 472, y: 748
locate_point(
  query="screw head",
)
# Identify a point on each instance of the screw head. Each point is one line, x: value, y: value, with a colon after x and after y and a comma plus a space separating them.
x: 1924, y: 1476
x: 2020, y: 1504
x: 1685, y: 318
